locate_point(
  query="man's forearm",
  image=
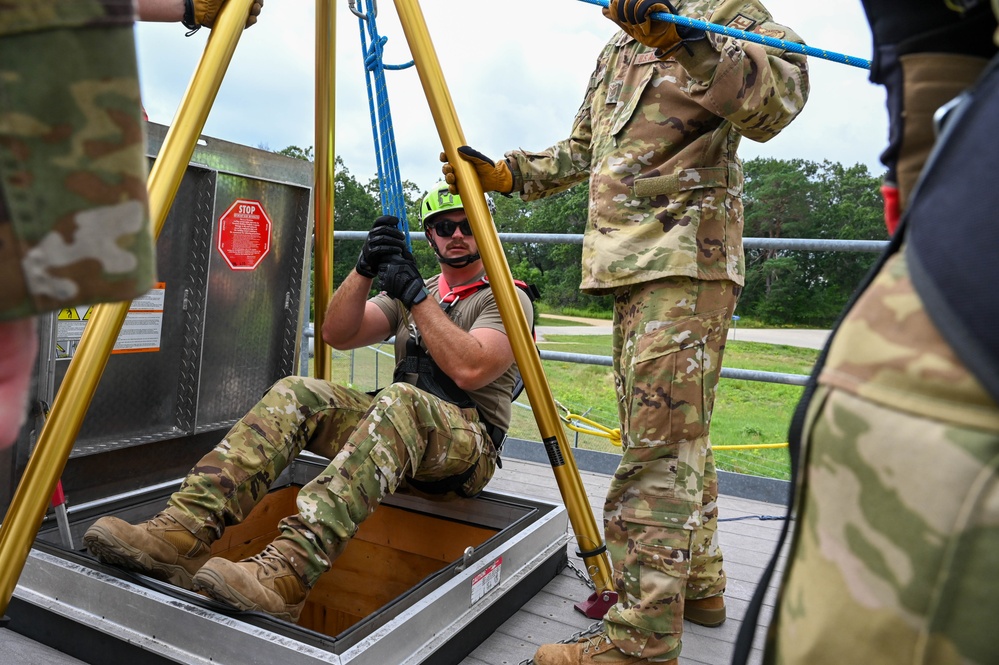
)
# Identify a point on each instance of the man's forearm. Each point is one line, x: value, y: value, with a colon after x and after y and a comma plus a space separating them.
x: 345, y: 311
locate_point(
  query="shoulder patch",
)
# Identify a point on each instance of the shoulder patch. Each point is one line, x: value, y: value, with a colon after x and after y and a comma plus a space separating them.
x: 768, y: 31
x: 741, y: 22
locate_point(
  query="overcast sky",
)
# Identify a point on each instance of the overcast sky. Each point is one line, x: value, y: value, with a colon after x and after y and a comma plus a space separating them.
x: 516, y: 71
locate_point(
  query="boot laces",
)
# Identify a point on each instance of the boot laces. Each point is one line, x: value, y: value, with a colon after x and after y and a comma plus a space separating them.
x: 594, y: 641
x: 162, y: 521
x: 271, y: 558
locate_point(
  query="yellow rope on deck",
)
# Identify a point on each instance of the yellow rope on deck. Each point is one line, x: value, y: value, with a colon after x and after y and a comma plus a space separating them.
x: 575, y: 422
x: 584, y: 425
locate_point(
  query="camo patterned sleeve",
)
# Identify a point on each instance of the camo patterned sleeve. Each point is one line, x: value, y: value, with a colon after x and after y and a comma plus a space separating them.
x: 74, y: 223
x: 657, y: 135
x: 759, y: 89
x: 540, y: 174
x: 19, y: 16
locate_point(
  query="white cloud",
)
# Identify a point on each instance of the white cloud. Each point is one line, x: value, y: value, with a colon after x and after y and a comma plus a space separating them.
x: 516, y: 72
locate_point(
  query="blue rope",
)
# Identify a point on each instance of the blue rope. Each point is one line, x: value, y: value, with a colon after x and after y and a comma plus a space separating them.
x: 386, y: 158
x: 753, y: 37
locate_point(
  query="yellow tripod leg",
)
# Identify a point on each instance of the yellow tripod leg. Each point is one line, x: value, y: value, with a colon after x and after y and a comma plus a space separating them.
x: 55, y: 442
x: 323, y: 187
x: 535, y: 382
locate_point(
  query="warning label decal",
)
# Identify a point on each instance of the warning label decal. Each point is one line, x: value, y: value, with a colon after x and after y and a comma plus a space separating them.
x: 139, y: 334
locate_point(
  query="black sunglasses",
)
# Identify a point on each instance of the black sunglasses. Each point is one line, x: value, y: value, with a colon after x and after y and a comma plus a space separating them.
x: 445, y: 228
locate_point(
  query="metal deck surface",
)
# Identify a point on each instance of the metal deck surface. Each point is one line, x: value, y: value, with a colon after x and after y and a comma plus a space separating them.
x: 550, y: 615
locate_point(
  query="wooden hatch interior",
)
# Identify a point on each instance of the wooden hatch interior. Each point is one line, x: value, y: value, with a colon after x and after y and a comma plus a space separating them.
x: 393, y: 550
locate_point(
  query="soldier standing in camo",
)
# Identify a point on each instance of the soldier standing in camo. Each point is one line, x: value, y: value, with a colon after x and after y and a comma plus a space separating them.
x: 437, y: 428
x: 896, y: 538
x: 74, y: 224
x: 657, y: 135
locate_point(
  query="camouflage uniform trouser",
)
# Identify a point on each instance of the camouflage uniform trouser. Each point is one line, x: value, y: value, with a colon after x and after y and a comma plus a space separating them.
x: 661, y: 512
x: 373, y: 442
x: 896, y: 542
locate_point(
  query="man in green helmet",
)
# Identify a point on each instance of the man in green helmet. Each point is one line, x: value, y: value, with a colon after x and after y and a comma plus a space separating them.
x: 437, y: 427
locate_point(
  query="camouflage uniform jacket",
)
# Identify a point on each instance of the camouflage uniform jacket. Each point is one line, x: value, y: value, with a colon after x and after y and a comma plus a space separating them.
x: 658, y: 139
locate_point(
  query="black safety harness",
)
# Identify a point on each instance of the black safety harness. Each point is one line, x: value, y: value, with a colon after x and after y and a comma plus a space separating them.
x: 432, y: 379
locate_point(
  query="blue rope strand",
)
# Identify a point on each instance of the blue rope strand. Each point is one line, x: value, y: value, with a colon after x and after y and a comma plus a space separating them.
x: 387, y: 161
x: 368, y: 68
x: 773, y: 42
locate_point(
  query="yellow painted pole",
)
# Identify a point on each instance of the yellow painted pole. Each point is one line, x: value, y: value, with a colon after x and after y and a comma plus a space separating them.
x: 501, y: 281
x: 55, y: 442
x: 322, y: 263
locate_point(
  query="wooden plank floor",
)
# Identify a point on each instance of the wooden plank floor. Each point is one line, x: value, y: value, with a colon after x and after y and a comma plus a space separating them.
x: 550, y: 616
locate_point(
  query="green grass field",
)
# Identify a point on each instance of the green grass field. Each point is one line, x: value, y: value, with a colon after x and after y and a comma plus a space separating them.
x: 746, y: 412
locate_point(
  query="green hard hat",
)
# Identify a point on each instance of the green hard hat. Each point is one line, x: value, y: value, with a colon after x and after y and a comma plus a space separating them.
x: 440, y: 199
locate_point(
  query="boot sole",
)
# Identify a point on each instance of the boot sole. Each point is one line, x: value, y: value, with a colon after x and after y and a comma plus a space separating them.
x: 214, y: 585
x: 108, y: 548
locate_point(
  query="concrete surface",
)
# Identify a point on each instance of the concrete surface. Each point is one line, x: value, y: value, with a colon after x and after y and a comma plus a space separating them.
x: 805, y: 338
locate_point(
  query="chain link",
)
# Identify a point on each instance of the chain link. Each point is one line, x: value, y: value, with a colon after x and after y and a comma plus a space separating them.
x: 581, y: 575
x: 592, y: 629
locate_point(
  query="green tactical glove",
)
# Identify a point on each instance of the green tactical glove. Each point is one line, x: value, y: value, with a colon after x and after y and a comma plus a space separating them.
x: 633, y: 17
x: 400, y: 279
x: 384, y: 241
x: 206, y: 11
x: 492, y: 176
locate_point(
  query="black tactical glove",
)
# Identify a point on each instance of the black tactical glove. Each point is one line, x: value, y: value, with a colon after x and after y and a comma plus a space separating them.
x: 384, y: 241
x: 400, y: 279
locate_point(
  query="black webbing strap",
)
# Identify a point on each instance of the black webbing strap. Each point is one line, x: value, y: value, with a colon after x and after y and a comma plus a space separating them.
x: 954, y: 231
x: 430, y: 377
x: 444, y: 485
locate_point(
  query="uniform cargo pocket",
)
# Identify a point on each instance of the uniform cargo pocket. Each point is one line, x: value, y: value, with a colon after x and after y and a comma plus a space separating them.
x: 669, y: 398
x: 625, y: 94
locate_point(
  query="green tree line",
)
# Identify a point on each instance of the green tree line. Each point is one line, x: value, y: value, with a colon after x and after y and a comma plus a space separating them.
x: 782, y: 198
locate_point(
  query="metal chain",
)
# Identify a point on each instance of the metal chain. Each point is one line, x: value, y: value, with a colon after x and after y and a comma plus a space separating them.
x: 581, y: 575
x: 592, y: 629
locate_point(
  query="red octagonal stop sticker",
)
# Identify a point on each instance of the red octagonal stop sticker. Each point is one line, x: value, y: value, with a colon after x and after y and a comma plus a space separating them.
x: 244, y: 234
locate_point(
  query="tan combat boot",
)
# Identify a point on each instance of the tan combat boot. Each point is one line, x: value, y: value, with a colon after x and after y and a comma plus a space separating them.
x: 265, y: 582
x: 705, y: 611
x: 594, y: 650
x: 160, y: 547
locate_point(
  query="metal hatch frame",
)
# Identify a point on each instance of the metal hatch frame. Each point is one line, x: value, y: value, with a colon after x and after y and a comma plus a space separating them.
x: 99, y: 613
